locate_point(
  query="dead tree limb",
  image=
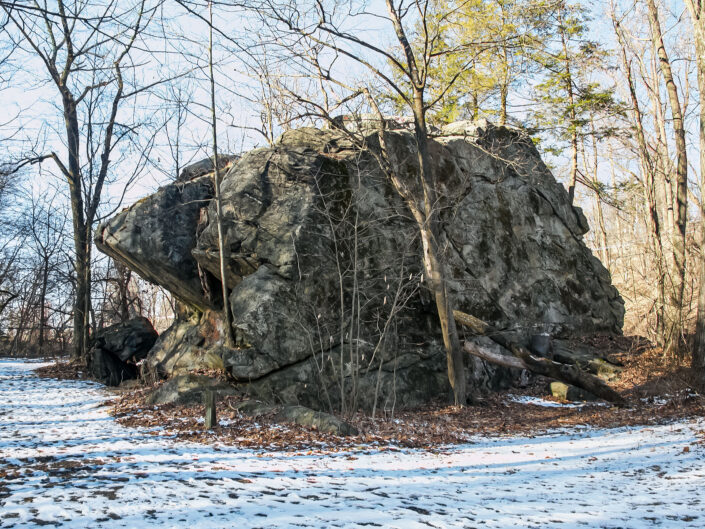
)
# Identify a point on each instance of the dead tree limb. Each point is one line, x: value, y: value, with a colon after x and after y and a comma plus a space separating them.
x: 519, y: 357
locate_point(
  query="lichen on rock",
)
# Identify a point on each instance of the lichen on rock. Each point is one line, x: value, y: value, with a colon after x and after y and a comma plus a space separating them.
x: 323, y: 265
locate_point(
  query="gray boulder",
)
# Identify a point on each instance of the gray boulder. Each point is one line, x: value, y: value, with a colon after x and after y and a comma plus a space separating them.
x: 155, y: 236
x: 188, y: 389
x: 117, y: 349
x: 323, y: 265
x: 204, y: 167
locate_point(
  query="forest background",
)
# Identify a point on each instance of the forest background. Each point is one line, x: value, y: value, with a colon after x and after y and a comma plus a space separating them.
x: 103, y: 101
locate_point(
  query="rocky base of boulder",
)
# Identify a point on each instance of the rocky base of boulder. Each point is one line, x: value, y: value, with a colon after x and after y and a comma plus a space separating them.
x: 301, y: 415
x: 566, y: 392
x: 394, y: 379
x: 189, y: 390
x: 323, y: 263
x: 117, y: 349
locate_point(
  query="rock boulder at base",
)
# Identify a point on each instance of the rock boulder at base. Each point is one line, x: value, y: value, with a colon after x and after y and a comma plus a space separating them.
x: 323, y: 263
x: 117, y: 349
x: 301, y: 415
x: 188, y: 389
x: 566, y: 392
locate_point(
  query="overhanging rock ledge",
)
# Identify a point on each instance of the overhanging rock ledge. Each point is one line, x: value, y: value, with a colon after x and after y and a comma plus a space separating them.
x: 321, y: 251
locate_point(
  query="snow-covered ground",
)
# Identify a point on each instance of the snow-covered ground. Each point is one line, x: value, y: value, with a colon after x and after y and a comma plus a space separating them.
x: 67, y: 463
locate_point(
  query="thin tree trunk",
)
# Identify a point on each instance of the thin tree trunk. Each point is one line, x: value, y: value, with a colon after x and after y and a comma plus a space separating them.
x: 662, y: 158
x: 123, y: 279
x: 79, y: 228
x: 435, y: 270
x: 504, y: 85
x: 503, y: 94
x: 87, y: 301
x: 674, y: 330
x: 428, y: 218
x: 604, y: 251
x: 42, y: 303
x: 697, y: 14
x: 571, y: 99
x: 229, y: 333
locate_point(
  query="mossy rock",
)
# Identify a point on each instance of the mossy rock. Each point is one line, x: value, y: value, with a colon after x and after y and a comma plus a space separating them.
x: 570, y: 393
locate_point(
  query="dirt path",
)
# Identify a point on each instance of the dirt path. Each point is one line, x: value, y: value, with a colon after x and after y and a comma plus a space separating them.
x: 64, y: 462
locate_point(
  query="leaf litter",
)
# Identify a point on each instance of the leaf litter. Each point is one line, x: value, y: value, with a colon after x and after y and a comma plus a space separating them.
x: 74, y: 455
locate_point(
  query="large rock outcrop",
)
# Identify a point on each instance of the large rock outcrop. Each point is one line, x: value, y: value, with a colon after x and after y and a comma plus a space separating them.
x: 324, y: 264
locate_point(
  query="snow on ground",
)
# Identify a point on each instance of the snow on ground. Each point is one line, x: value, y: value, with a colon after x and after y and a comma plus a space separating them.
x: 536, y: 401
x: 67, y: 463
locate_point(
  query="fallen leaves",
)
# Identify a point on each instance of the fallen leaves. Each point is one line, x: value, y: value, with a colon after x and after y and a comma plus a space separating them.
x: 63, y: 370
x: 431, y: 427
x: 658, y: 389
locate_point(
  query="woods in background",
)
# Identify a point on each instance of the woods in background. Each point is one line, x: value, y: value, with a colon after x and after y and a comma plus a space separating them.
x: 611, y: 94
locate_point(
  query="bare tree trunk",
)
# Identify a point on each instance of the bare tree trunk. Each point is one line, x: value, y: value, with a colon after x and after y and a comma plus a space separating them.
x: 503, y: 95
x: 42, y: 304
x: 428, y: 219
x: 674, y: 329
x: 504, y: 84
x: 571, y: 98
x: 79, y: 226
x: 663, y: 166
x: 604, y: 248
x: 124, y: 275
x: 81, y: 231
x: 229, y: 336
x: 435, y: 270
x: 80, y: 315
x: 697, y: 14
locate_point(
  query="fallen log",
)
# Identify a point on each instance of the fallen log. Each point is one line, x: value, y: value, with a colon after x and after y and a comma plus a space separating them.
x: 519, y: 357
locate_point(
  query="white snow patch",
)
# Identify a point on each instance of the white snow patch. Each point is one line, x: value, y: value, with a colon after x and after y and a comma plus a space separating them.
x: 79, y: 468
x: 537, y: 401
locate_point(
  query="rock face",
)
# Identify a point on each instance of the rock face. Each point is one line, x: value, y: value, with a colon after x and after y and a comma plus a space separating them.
x: 327, y: 294
x: 117, y: 349
x: 204, y: 167
x: 155, y: 236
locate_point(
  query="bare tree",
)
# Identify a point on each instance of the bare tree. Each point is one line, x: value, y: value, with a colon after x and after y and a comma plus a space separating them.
x: 674, y: 329
x: 319, y: 38
x: 85, y: 51
x: 697, y: 16
x: 656, y: 84
x: 47, y: 229
x: 229, y: 333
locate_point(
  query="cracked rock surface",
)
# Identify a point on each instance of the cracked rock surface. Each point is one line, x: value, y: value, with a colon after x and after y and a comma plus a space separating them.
x: 323, y: 264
